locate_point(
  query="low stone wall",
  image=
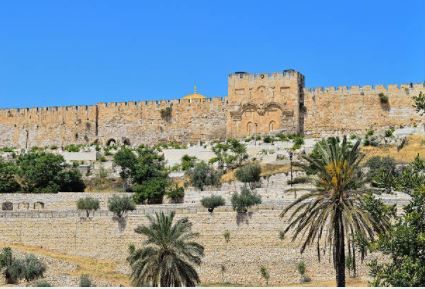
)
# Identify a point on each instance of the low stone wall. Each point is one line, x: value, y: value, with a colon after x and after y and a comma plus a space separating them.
x: 254, y: 241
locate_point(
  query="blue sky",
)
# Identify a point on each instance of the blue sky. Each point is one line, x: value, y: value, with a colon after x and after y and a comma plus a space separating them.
x: 63, y: 52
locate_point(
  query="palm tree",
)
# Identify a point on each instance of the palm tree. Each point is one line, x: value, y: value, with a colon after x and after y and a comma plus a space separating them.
x: 334, y: 210
x: 168, y: 254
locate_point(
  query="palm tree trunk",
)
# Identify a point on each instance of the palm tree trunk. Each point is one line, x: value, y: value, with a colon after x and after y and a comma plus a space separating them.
x: 339, y: 249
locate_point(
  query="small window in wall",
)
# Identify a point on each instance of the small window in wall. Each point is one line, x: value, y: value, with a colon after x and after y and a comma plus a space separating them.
x: 272, y: 125
x: 38, y: 205
x: 250, y: 128
x: 126, y: 141
x: 110, y: 142
x: 23, y: 206
x: 7, y: 206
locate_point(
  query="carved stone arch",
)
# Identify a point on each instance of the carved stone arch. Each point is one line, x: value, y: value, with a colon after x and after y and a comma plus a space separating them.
x: 250, y: 128
x: 7, y: 206
x: 38, y: 206
x: 272, y: 126
x: 272, y: 105
x: 111, y: 141
x: 249, y: 106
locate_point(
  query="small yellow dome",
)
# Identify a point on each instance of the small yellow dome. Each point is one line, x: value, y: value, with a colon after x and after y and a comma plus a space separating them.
x: 194, y: 95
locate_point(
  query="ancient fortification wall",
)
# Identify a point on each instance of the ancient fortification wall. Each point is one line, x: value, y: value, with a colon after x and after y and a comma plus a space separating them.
x: 254, y: 242
x: 256, y: 104
x: 340, y: 110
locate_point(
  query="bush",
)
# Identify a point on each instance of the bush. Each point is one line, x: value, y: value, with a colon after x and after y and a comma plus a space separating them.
x: 212, y: 202
x: 226, y: 236
x: 383, y: 98
x: 378, y: 164
x: 268, y: 139
x: 298, y: 142
x: 151, y: 191
x: 8, y: 183
x: 42, y: 172
x: 88, y: 204
x: 265, y: 274
x: 73, y: 148
x: 389, y: 132
x: 85, y: 281
x: 42, y: 283
x: 249, y: 173
x: 301, y: 268
x: 204, y: 175
x: 14, y: 270
x: 243, y: 201
x: 298, y: 180
x: 121, y: 205
x: 175, y: 194
x: 188, y: 162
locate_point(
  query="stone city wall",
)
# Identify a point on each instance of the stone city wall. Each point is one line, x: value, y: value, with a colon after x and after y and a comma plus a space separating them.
x: 254, y: 242
x: 331, y: 110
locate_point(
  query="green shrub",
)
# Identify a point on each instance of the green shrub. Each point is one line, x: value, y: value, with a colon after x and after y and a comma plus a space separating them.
x: 14, y: 269
x: 166, y: 113
x: 383, y: 98
x: 243, y: 201
x: 175, y: 194
x: 249, y: 173
x: 389, y: 132
x: 120, y: 206
x: 85, y: 281
x: 298, y: 142
x: 204, y: 175
x: 33, y: 268
x: 88, y: 204
x: 298, y: 180
x: 42, y: 283
x: 268, y: 139
x: 8, y: 182
x: 301, y: 268
x: 265, y: 274
x: 226, y: 236
x: 151, y: 191
x: 212, y: 202
x: 188, y: 162
x: 74, y: 148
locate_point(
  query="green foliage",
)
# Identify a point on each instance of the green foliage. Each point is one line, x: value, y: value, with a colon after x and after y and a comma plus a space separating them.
x: 389, y: 132
x: 188, y: 162
x: 419, y: 103
x: 120, y: 206
x: 168, y: 255
x: 166, y: 113
x: 412, y: 176
x: 382, y: 171
x: 335, y: 205
x: 8, y: 183
x: 242, y: 201
x: 226, y: 236
x: 212, y: 202
x: 404, y: 243
x: 14, y: 269
x: 249, y: 173
x: 298, y: 142
x: 88, y: 204
x: 268, y: 139
x: 42, y: 283
x: 281, y: 235
x: 151, y: 191
x: 265, y: 274
x: 298, y: 180
x: 301, y: 268
x: 7, y: 149
x: 73, y: 148
x: 229, y: 154
x: 204, y: 175
x: 126, y: 159
x: 383, y: 98
x: 85, y: 281
x: 42, y: 172
x: 175, y: 193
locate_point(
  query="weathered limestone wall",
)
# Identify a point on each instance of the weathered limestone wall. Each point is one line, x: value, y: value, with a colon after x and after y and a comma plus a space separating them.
x: 27, y: 127
x: 341, y: 110
x: 254, y: 242
x: 141, y: 122
x: 264, y: 103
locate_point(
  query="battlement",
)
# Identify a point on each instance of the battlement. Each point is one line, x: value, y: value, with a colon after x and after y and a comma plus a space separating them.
x: 289, y: 73
x: 404, y: 89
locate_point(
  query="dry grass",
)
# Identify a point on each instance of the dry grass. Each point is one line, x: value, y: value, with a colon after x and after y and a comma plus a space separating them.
x: 97, y: 269
x: 415, y: 145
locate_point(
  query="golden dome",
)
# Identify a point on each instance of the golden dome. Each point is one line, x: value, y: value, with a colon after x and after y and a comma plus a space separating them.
x: 194, y: 95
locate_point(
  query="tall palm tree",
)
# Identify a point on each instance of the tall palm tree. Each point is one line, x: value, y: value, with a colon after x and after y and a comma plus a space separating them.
x: 333, y: 212
x: 168, y: 254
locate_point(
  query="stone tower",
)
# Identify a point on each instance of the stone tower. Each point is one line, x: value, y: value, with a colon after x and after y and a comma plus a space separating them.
x: 264, y: 103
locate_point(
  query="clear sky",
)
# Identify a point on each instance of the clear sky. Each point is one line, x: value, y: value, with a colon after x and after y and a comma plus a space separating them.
x: 63, y: 52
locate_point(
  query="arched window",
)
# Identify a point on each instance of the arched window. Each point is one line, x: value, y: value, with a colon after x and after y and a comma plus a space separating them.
x: 250, y: 128
x: 38, y: 205
x: 110, y: 142
x: 7, y: 206
x: 272, y: 125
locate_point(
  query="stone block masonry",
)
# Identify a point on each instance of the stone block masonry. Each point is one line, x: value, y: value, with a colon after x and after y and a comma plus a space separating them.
x: 256, y: 104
